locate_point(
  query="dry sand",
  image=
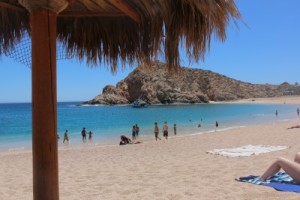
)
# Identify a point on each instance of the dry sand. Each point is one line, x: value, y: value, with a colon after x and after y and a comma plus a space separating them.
x: 277, y: 100
x: 178, y: 168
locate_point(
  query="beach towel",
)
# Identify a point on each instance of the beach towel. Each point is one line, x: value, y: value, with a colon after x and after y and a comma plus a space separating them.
x: 247, y: 150
x: 281, y: 181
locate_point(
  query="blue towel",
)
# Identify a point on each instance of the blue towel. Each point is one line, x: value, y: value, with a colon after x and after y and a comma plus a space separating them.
x: 281, y: 181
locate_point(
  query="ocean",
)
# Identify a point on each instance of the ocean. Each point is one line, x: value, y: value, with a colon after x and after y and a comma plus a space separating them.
x: 109, y: 122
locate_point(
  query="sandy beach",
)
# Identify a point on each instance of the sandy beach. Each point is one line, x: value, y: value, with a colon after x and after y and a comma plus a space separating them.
x: 176, y: 169
x: 277, y: 100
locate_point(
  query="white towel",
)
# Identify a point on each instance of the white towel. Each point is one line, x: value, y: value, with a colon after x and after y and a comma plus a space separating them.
x: 247, y: 150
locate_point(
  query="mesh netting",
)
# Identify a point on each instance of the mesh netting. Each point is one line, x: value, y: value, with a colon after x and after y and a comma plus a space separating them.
x: 22, y: 51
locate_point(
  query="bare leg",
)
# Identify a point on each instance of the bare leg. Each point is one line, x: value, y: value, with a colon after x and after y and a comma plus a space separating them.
x: 290, y: 167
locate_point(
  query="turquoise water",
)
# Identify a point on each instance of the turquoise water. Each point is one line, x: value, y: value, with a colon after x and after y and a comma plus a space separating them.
x: 109, y: 122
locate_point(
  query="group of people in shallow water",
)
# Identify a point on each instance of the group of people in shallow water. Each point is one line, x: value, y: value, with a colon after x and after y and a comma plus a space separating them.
x: 165, y: 130
x: 136, y: 131
x: 84, y: 133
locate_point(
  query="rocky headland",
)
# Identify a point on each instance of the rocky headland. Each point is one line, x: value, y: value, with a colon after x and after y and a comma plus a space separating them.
x: 156, y: 85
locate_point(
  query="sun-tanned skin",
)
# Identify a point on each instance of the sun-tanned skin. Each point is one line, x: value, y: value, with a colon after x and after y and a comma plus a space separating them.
x: 290, y: 167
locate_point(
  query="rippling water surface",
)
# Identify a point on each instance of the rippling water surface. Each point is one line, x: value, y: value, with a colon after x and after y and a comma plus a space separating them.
x: 109, y: 122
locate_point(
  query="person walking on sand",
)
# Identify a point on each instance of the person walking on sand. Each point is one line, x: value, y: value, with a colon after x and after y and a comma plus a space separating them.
x: 66, y: 137
x: 90, y: 135
x: 156, y: 131
x: 175, y: 129
x: 165, y: 130
x: 83, y: 134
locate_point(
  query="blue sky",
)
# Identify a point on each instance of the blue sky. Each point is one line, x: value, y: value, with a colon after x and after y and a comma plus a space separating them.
x: 264, y: 48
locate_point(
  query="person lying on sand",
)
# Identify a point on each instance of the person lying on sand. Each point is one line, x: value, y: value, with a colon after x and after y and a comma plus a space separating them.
x: 297, y: 126
x: 290, y: 167
x: 127, y: 140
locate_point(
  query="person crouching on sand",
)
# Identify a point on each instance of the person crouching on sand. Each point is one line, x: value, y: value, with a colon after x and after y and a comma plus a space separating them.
x: 156, y: 131
x: 125, y: 140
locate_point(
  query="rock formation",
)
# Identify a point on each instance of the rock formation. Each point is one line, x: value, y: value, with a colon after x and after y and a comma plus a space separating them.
x: 156, y: 85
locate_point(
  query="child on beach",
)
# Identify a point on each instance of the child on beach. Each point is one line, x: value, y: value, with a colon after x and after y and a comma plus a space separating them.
x: 156, y: 131
x: 66, y: 137
x: 165, y: 129
x: 90, y: 135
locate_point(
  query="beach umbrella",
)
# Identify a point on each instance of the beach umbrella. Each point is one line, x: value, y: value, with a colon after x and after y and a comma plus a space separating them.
x: 100, y: 31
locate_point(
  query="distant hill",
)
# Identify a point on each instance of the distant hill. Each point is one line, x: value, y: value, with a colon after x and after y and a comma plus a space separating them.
x: 158, y: 86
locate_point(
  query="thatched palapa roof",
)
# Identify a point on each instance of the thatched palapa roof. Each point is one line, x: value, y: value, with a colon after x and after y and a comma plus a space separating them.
x: 112, y: 30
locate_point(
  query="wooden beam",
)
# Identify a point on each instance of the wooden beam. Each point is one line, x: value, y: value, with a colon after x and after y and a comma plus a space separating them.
x: 11, y: 7
x: 91, y: 14
x: 44, y: 106
x: 122, y: 6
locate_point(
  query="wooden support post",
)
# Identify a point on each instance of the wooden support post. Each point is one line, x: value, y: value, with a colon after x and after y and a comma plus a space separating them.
x: 44, y: 114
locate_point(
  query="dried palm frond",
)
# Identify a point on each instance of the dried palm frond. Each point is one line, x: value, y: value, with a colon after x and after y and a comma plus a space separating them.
x: 102, y: 33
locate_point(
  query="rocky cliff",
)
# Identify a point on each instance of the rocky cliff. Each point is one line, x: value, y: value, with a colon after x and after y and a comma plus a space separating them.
x: 157, y: 85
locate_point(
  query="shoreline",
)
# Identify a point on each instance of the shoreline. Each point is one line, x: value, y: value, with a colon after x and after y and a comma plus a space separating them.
x: 186, y: 129
x: 144, y: 139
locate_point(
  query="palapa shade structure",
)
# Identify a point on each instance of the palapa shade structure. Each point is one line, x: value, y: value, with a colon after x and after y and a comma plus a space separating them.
x: 102, y: 31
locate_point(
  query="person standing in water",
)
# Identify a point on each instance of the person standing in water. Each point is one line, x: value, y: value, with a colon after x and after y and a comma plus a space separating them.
x: 165, y: 130
x: 217, y: 125
x: 137, y: 131
x: 133, y: 132
x: 66, y: 137
x: 83, y: 134
x: 156, y: 131
x: 276, y: 113
x: 90, y: 135
x: 175, y: 129
x: 298, y: 111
